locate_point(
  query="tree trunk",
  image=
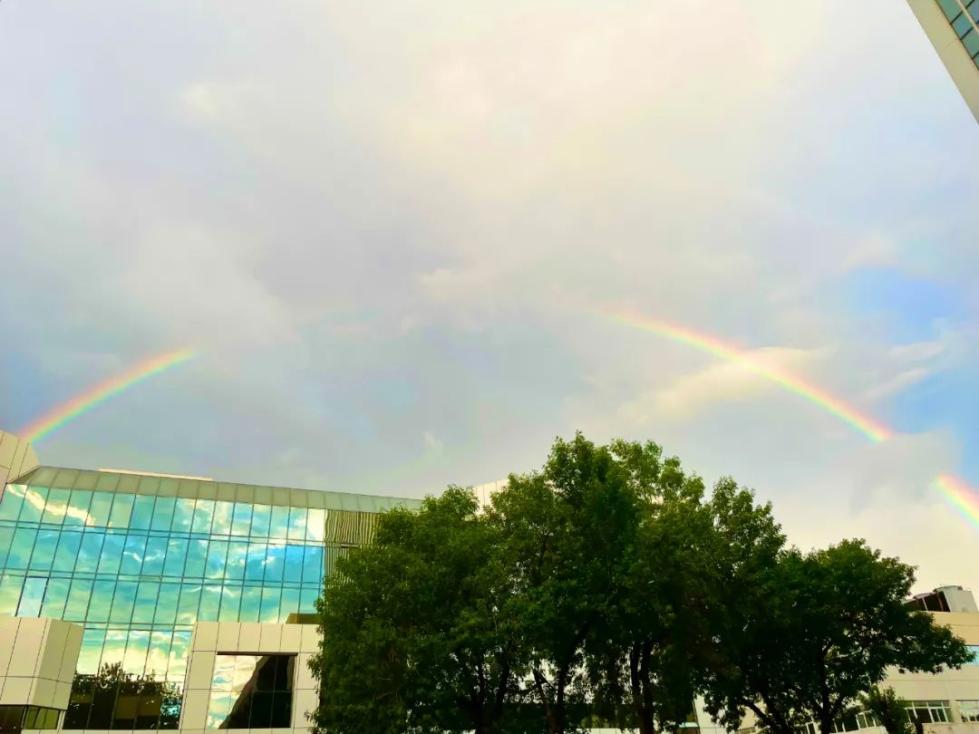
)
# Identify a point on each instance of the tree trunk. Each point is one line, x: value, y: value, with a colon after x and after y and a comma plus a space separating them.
x: 641, y: 694
x: 553, y: 720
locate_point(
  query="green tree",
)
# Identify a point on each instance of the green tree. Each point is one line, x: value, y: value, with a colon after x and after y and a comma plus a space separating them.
x: 642, y: 653
x: 888, y: 708
x: 828, y: 626
x: 566, y: 532
x: 413, y: 635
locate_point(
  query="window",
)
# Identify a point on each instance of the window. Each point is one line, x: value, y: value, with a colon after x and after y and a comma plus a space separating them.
x: 974, y: 649
x: 929, y: 712
x: 251, y: 692
x: 969, y: 710
x: 15, y: 718
x: 866, y: 720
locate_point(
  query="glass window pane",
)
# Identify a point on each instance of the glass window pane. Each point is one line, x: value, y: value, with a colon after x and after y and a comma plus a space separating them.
x: 971, y: 42
x: 183, y: 515
x: 203, y: 514
x: 316, y: 525
x: 100, y: 508
x: 961, y: 25
x: 91, y: 651
x: 210, y: 604
x: 67, y: 553
x: 176, y: 556
x: 122, y: 508
x: 78, y: 506
x: 111, y: 556
x: 21, y: 548
x: 313, y: 564
x: 134, y: 661
x: 282, y: 709
x: 294, y: 563
x: 163, y: 513
x: 146, y: 597
x: 159, y: 653
x: 132, y: 556
x: 230, y: 601
x: 56, y: 506
x: 270, y: 604
x: 219, y: 708
x: 190, y: 597
x: 261, y: 517
x: 307, y: 599
x: 950, y: 8
x: 255, y: 563
x: 33, y: 508
x: 102, y: 593
x: 30, y: 598
x: 241, y: 522
x: 290, y: 603
x: 251, y: 603
x: 156, y: 551
x: 6, y: 538
x: 222, y: 518
x: 10, y: 588
x: 55, y: 597
x: 237, y: 554
x: 89, y: 551
x: 297, y: 523
x: 196, y: 558
x: 178, y: 655
x: 142, y: 512
x: 11, y: 502
x: 279, y: 527
x: 166, y: 605
x: 217, y: 553
x: 77, y: 604
x: 43, y: 556
x: 274, y: 562
x: 122, y: 603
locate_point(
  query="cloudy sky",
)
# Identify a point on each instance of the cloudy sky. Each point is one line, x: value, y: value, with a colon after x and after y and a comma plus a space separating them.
x: 393, y: 231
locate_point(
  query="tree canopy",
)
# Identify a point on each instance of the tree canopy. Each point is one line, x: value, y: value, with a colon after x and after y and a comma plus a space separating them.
x: 608, y: 588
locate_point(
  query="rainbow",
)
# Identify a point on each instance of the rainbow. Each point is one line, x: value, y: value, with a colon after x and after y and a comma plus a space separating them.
x: 98, y: 394
x: 962, y: 497
x: 796, y: 385
x: 957, y: 493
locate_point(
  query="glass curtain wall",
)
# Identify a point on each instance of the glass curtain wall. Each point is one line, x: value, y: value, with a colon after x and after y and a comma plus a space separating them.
x: 137, y: 570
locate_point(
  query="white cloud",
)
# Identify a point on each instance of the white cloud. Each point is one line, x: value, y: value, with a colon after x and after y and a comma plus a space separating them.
x: 725, y: 382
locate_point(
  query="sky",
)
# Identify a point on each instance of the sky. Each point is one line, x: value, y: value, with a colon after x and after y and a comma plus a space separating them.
x: 393, y: 232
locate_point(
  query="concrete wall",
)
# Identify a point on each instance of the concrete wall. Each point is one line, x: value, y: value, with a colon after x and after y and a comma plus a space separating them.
x: 16, y: 458
x: 37, y: 661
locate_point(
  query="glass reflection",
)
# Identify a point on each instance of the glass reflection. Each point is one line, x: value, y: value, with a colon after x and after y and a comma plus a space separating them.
x: 251, y: 692
x: 147, y: 568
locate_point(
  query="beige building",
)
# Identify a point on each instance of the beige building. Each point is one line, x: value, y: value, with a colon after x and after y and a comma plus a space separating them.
x: 952, y: 26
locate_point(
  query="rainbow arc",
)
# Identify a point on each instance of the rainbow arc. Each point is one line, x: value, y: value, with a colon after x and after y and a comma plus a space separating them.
x: 956, y: 492
x: 98, y: 394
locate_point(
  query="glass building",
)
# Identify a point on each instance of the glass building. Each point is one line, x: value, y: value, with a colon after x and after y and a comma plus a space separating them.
x: 137, y: 560
x: 952, y: 26
x: 963, y: 15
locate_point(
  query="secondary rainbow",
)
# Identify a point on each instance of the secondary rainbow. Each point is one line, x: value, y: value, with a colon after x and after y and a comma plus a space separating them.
x: 963, y: 498
x: 98, y: 394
